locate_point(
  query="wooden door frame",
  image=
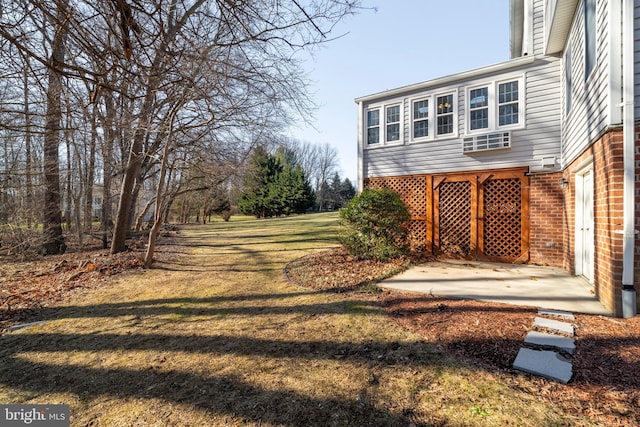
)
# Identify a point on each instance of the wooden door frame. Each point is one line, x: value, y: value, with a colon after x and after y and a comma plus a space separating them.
x: 477, y: 179
x: 439, y: 179
x: 524, y: 214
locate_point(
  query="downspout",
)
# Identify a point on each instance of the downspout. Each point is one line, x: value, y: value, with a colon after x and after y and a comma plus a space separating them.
x: 361, y: 139
x: 628, y: 128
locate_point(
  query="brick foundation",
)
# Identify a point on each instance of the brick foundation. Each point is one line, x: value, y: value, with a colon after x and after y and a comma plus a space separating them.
x: 606, y: 158
x: 546, y: 243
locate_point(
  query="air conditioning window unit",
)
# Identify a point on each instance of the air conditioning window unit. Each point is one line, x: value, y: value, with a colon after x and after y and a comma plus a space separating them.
x: 488, y: 141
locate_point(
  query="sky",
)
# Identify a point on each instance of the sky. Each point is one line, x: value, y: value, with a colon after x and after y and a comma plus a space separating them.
x: 401, y: 42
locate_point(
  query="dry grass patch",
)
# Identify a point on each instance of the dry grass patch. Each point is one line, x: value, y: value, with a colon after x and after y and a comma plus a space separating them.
x: 219, y: 337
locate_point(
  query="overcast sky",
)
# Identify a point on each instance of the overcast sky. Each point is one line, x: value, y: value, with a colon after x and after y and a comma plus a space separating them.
x: 400, y: 43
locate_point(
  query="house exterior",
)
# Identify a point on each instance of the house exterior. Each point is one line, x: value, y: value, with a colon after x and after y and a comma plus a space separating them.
x: 531, y: 160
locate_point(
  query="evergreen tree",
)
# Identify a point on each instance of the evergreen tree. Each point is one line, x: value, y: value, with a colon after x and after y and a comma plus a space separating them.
x: 275, y: 185
x: 346, y: 193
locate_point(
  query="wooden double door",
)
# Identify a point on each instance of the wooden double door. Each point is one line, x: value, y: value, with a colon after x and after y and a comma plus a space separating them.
x: 482, y: 216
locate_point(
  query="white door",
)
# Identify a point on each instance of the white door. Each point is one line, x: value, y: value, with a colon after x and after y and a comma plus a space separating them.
x: 584, y: 224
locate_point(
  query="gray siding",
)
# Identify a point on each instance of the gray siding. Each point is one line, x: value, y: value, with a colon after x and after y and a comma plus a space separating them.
x: 590, y: 109
x: 539, y: 138
x: 636, y: 37
x: 538, y: 27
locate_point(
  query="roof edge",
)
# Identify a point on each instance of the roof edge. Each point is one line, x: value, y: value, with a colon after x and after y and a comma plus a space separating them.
x: 441, y: 81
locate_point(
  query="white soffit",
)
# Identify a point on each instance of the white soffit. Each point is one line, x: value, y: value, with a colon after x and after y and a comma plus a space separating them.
x: 558, y: 19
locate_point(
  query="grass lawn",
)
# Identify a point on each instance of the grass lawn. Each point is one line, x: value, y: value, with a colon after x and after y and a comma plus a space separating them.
x: 218, y: 336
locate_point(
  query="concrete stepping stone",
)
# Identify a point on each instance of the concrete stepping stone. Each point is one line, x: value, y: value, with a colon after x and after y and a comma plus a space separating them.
x: 555, y: 313
x: 554, y: 326
x: 544, y: 363
x: 548, y: 340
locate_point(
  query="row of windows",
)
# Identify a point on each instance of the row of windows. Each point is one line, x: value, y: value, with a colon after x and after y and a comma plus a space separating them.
x: 489, y: 107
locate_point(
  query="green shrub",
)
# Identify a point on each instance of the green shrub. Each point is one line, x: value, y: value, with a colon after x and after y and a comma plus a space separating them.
x: 374, y: 225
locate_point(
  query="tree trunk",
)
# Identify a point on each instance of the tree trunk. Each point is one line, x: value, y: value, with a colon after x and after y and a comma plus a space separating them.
x: 53, y: 238
x: 91, y: 164
x: 107, y: 150
x: 157, y: 214
x: 136, y: 153
x: 68, y: 185
x: 27, y: 142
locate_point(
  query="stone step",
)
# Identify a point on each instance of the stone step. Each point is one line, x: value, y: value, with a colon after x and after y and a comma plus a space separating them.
x: 548, y: 340
x: 554, y: 326
x: 544, y: 363
x: 555, y: 313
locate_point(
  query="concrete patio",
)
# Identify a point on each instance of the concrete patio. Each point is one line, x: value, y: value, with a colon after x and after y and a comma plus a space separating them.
x: 529, y: 285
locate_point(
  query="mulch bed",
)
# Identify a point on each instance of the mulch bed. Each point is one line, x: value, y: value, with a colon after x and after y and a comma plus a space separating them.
x: 26, y: 287
x: 605, y: 387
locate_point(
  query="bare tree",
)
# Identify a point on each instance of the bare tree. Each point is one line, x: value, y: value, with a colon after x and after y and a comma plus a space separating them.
x: 127, y: 65
x: 53, y: 238
x: 327, y: 166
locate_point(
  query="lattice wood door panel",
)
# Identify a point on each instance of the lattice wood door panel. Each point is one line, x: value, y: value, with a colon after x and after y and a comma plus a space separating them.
x: 503, y: 229
x: 415, y: 191
x: 472, y: 215
x: 454, y: 220
x: 502, y: 218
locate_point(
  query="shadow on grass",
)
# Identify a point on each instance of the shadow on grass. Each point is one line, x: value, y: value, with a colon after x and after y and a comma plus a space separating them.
x: 219, y: 394
x: 200, y: 307
x: 224, y: 394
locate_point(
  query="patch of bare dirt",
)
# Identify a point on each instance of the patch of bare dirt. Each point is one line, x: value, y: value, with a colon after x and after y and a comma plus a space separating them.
x: 605, y: 387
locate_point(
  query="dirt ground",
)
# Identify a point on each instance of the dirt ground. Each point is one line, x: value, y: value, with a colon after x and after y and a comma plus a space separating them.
x: 605, y: 385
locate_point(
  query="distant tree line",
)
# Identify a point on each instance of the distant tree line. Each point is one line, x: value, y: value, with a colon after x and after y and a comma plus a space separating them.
x: 278, y: 184
x: 135, y: 112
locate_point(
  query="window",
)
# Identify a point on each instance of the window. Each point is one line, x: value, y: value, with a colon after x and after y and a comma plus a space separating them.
x: 508, y: 111
x: 479, y: 108
x: 568, y: 84
x: 589, y: 37
x: 444, y: 114
x: 494, y: 106
x: 373, y: 126
x: 421, y: 118
x: 393, y: 123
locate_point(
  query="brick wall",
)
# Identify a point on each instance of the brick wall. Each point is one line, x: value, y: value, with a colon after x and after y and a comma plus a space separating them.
x: 606, y: 156
x: 546, y: 213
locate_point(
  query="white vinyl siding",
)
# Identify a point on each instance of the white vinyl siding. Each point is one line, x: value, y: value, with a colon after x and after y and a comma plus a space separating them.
x: 590, y: 36
x: 537, y: 136
x: 538, y: 27
x: 568, y: 82
x: 590, y: 103
x: 636, y: 37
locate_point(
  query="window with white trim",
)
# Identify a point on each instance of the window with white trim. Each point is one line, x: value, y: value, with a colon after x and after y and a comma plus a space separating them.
x: 392, y: 123
x: 494, y: 106
x: 479, y: 108
x: 508, y: 103
x: 373, y: 126
x: 444, y: 114
x: 420, y: 118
